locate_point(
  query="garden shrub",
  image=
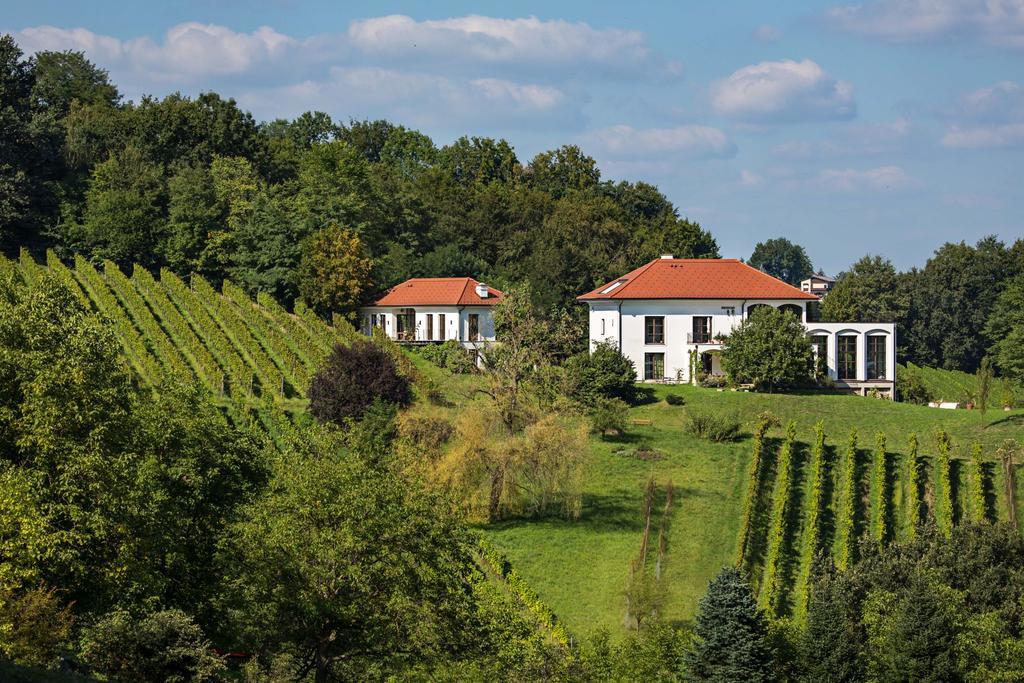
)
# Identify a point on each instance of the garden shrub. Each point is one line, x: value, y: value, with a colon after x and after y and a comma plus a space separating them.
x: 608, y: 416
x: 911, y: 387
x: 712, y: 426
x: 450, y: 356
x: 674, y: 400
x: 605, y: 372
x: 713, y: 381
x: 351, y: 379
x: 429, y: 433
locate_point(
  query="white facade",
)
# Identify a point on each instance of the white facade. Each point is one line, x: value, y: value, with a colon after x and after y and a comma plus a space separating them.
x: 431, y: 323
x: 866, y: 362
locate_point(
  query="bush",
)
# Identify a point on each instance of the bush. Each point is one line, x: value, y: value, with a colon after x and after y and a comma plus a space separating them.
x: 429, y: 433
x: 713, y: 381
x: 34, y: 625
x: 769, y: 349
x: 163, y: 646
x: 605, y: 372
x: 450, y: 356
x: 713, y: 426
x: 674, y: 400
x: 351, y: 379
x: 608, y: 416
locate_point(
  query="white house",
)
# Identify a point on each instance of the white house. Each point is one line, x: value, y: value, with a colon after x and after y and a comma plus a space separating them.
x: 662, y: 312
x: 818, y: 285
x: 429, y: 310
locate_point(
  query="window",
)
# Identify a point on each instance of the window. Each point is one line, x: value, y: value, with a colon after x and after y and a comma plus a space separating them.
x: 440, y: 327
x: 794, y: 309
x: 654, y: 366
x: 612, y: 286
x: 729, y: 310
x: 474, y: 327
x: 847, y: 356
x: 702, y: 329
x: 602, y: 327
x: 654, y: 329
x: 876, y: 357
x: 430, y: 326
x: 405, y: 323
x: 819, y: 342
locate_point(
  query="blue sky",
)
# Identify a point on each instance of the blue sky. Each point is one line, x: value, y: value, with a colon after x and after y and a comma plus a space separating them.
x: 886, y: 127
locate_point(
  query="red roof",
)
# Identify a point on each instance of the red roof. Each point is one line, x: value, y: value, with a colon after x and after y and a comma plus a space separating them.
x: 678, y: 278
x: 438, y: 291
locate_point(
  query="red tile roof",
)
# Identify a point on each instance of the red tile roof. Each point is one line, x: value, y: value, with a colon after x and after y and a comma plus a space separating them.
x: 726, y: 278
x: 438, y: 291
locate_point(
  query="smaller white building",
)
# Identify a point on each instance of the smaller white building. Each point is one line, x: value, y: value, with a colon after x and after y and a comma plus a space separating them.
x: 670, y: 317
x: 434, y: 310
x: 818, y: 285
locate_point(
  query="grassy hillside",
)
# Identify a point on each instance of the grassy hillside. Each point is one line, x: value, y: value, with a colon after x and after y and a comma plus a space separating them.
x: 580, y: 567
x: 253, y: 356
x: 955, y: 385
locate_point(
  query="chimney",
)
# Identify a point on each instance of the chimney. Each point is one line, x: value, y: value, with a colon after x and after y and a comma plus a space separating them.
x: 667, y: 257
x: 482, y: 291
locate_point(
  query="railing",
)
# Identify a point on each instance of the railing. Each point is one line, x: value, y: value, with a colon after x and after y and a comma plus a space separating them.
x: 691, y: 338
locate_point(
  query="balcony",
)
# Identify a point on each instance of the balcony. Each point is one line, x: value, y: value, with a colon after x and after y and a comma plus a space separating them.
x: 702, y: 339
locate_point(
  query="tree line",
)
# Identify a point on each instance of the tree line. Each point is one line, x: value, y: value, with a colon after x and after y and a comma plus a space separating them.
x: 329, y: 211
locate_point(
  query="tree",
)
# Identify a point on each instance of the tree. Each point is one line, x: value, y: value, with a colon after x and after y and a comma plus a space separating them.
x: 351, y: 379
x: 1005, y: 330
x: 869, y: 292
x: 124, y: 215
x: 769, y: 349
x: 348, y: 566
x: 334, y: 272
x: 162, y: 646
x: 952, y: 299
x: 782, y: 259
x: 562, y: 170
x: 195, y: 221
x: 65, y: 77
x: 604, y: 372
x: 268, y: 247
x: 730, y: 634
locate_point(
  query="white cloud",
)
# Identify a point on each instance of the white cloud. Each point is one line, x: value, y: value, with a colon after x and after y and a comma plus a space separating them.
x: 188, y: 52
x: 991, y: 22
x: 421, y: 99
x: 689, y: 142
x: 767, y: 33
x: 472, y: 42
x: 851, y: 140
x: 783, y: 91
x: 1004, y: 135
x: 750, y: 179
x: 883, y: 178
x: 988, y: 117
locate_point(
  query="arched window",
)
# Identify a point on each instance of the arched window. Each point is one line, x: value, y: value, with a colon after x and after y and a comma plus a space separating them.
x: 753, y: 307
x: 794, y: 309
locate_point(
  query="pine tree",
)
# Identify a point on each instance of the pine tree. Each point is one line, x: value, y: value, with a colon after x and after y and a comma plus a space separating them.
x: 730, y: 636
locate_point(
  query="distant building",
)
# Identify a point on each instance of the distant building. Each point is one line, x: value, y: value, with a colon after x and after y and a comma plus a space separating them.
x: 818, y: 285
x: 660, y: 313
x: 434, y: 310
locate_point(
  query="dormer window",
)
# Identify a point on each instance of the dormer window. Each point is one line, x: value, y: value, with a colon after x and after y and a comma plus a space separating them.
x: 613, y: 286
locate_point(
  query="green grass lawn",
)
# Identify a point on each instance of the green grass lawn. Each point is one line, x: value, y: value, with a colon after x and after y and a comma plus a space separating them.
x: 580, y: 567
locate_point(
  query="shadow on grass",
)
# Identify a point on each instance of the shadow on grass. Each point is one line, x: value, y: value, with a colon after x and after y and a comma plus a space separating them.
x: 1015, y: 420
x: 861, y: 460
x: 956, y: 468
x: 988, y: 487
x: 761, y: 515
x: 827, y: 520
x: 644, y: 396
